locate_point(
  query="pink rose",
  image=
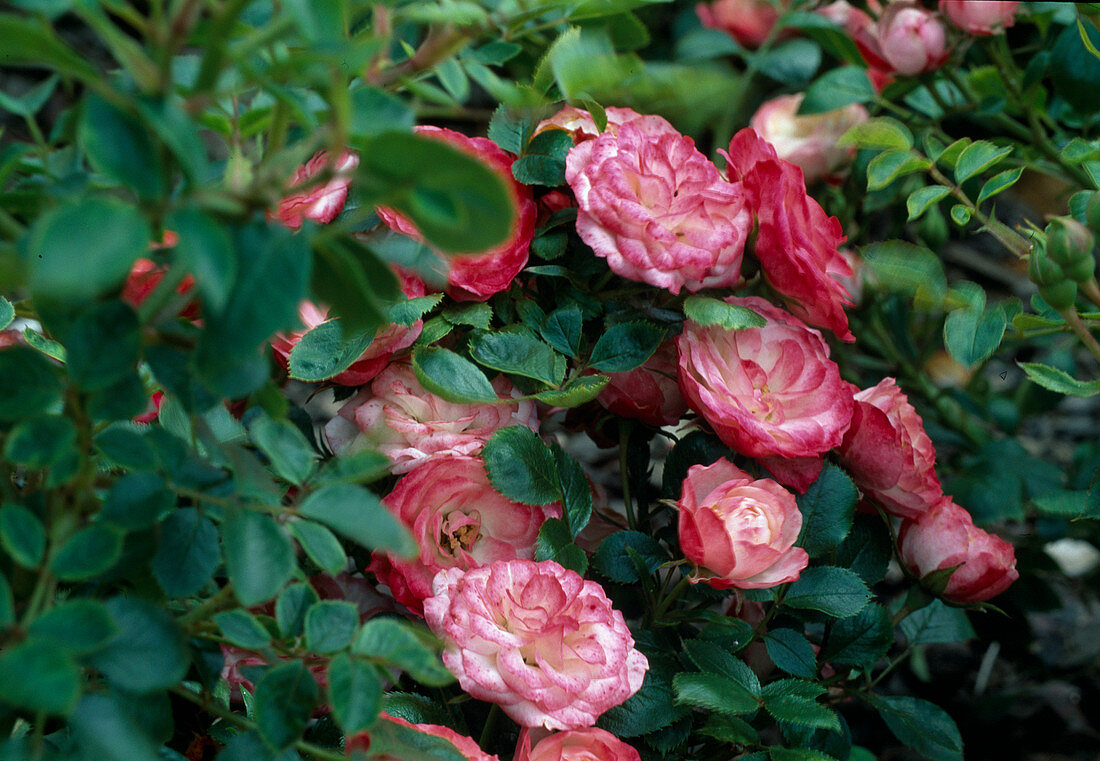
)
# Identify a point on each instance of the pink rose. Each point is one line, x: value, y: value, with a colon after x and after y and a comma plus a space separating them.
x: 910, y: 39
x: 739, y: 532
x: 945, y: 536
x: 476, y: 277
x: 398, y: 417
x: 459, y: 521
x: 466, y: 745
x: 888, y: 454
x: 766, y: 392
x: 658, y: 210
x: 796, y: 241
x: 747, y: 21
x: 389, y: 339
x: 649, y: 393
x: 589, y: 744
x: 321, y: 203
x: 580, y: 124
x: 536, y: 639
x: 809, y: 142
x: 980, y: 17
x: 145, y: 275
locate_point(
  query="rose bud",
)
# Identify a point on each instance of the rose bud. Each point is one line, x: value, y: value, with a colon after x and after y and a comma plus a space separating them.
x: 399, y: 418
x: 589, y: 744
x: 739, y: 532
x: 766, y: 392
x: 980, y: 17
x: 911, y: 39
x: 657, y: 209
x: 888, y: 454
x: 470, y: 750
x: 749, y: 22
x: 944, y: 537
x: 809, y: 142
x: 477, y: 276
x: 536, y: 639
x: 458, y: 521
x: 649, y: 393
x: 321, y: 203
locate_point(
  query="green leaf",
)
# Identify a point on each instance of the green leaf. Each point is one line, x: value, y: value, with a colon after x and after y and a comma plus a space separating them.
x: 206, y: 251
x: 908, y: 268
x: 7, y: 313
x: 29, y: 103
x: 137, y: 501
x: 713, y: 658
x: 922, y: 726
x: 1058, y: 380
x: 555, y: 542
x: 936, y: 623
x: 330, y: 625
x: 579, y: 390
x: 625, y: 346
x: 834, y: 591
x: 388, y: 739
x: 187, y: 554
x: 777, y: 753
x: 38, y: 676
x: 836, y: 89
x: 285, y: 697
x: 7, y: 604
x: 882, y: 133
x: 867, y: 550
x: 323, y: 352
x: 84, y: 249
x: 575, y: 489
x: 32, y: 42
x: 356, y: 283
x: 562, y: 330
x: 792, y: 652
x: 961, y: 215
x: 40, y: 441
x: 375, y: 111
x: 827, y: 508
x: 801, y: 711
x: 889, y: 165
x: 862, y: 639
x: 149, y: 652
x: 88, y: 553
x: 521, y: 467
x: 357, y: 468
x: 978, y: 157
x: 973, y: 332
x: 78, y: 626
x: 1065, y: 503
x: 242, y: 629
x: 543, y: 161
x: 612, y: 561
x: 650, y: 708
x: 31, y: 385
x: 794, y: 687
x: 707, y: 311
x: 922, y: 199
x: 455, y: 378
x: 475, y: 314
x: 401, y: 644
x: 354, y: 693
x: 999, y: 183
x: 320, y: 544
x: 409, y: 311
x: 714, y: 693
x: 286, y: 447
x: 357, y: 514
x: 258, y: 556
x: 518, y: 354
x: 291, y: 607
x: 106, y: 728
x: 120, y: 147
x: 730, y: 729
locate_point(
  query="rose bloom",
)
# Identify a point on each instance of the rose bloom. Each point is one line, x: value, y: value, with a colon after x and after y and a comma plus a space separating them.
x: 477, y: 276
x: 747, y: 21
x: 588, y: 744
x: 465, y: 745
x: 649, y: 393
x: 321, y: 203
x: 398, y: 417
x: 738, y: 531
x: 980, y: 17
x: 389, y: 339
x: 809, y: 142
x: 888, y: 454
x: 908, y: 39
x: 459, y: 521
x: 945, y: 536
x: 766, y: 392
x: 536, y: 639
x: 581, y: 126
x: 658, y: 210
x: 797, y: 243
x: 861, y: 28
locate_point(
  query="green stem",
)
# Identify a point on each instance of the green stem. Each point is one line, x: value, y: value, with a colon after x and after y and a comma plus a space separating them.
x: 1090, y: 290
x: 490, y: 725
x: 624, y: 437
x: 1008, y: 238
x: 676, y: 591
x: 1074, y: 321
x: 207, y: 607
x: 890, y: 667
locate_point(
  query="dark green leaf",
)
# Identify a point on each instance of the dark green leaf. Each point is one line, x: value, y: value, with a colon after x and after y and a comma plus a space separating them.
x: 555, y: 543
x: 414, y: 708
x: 579, y: 390
x: 206, y: 252
x: 777, y: 753
x: 543, y: 161
x: 375, y: 111
x: 575, y: 489
x: 330, y: 625
x: 714, y: 693
x: 357, y: 514
x: 291, y: 607
x: 400, y: 644
x: 187, y: 554
x: 707, y: 311
x: 1065, y: 503
x: 973, y: 332
x: 242, y: 629
x: 936, y: 623
x: 562, y: 330
x: 978, y: 157
x: 409, y: 311
x: 455, y: 378
x: 357, y: 468
x: 475, y: 314
x: 518, y: 354
x: 120, y: 147
x: 834, y: 591
x: 908, y: 268
x: 713, y: 658
x: 354, y: 281
x: 730, y: 729
x: 88, y: 553
x: 107, y: 730
x: 521, y: 466
x: 697, y: 448
x: 259, y: 556
x: 285, y: 697
x: 354, y: 693
x: 7, y: 313
x: 650, y: 708
x: 7, y: 603
x: 801, y: 711
x: 388, y: 739
x: 38, y: 676
x: 323, y: 352
x: 612, y: 561
x: 137, y: 501
x: 827, y: 507
x: 30, y: 384
x: 836, y: 89
x: 862, y: 639
x: 625, y: 346
x: 286, y: 447
x: 40, y: 441
x: 922, y: 726
x: 792, y: 652
x: 79, y: 626
x: 149, y: 652
x: 320, y: 544
x: 1059, y: 380
x: 867, y: 550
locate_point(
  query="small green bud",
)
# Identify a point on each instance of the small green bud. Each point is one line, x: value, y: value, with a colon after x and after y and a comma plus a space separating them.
x: 1092, y: 212
x: 1080, y: 270
x: 1042, y: 270
x: 1068, y: 241
x: 1061, y: 295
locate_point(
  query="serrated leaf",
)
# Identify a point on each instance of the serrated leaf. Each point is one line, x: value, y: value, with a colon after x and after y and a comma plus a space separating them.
x: 625, y: 346
x: 834, y: 591
x: 798, y: 754
x: 935, y: 623
x: 286, y: 447
x: 358, y: 514
x: 259, y: 557
x: 7, y: 313
x: 1058, y: 380
x: 285, y: 697
x: 793, y: 687
x: 828, y: 507
x: 714, y: 693
x: 922, y: 726
x: 562, y: 329
x: 862, y: 639
x: 291, y: 607
x: 801, y: 711
x: 409, y: 311
x: 579, y: 390
x: 713, y: 658
x: 707, y: 311
x: 920, y: 200
x: 972, y: 333
x: 575, y: 489
x: 555, y: 542
x: 999, y: 183
x: 242, y: 629
x: 611, y: 560
x: 518, y: 354
x: 330, y: 625
x: 320, y: 544
x: 187, y: 554
x: 455, y: 378
x: 730, y: 729
x: 791, y: 652
x: 400, y: 644
x: 324, y: 352
x: 521, y: 467
x: 978, y: 157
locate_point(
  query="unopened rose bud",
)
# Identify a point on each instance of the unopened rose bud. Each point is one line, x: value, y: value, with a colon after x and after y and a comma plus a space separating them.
x: 1068, y: 241
x: 1060, y: 295
x: 980, y: 17
x: 1042, y: 270
x: 912, y: 39
x: 809, y: 141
